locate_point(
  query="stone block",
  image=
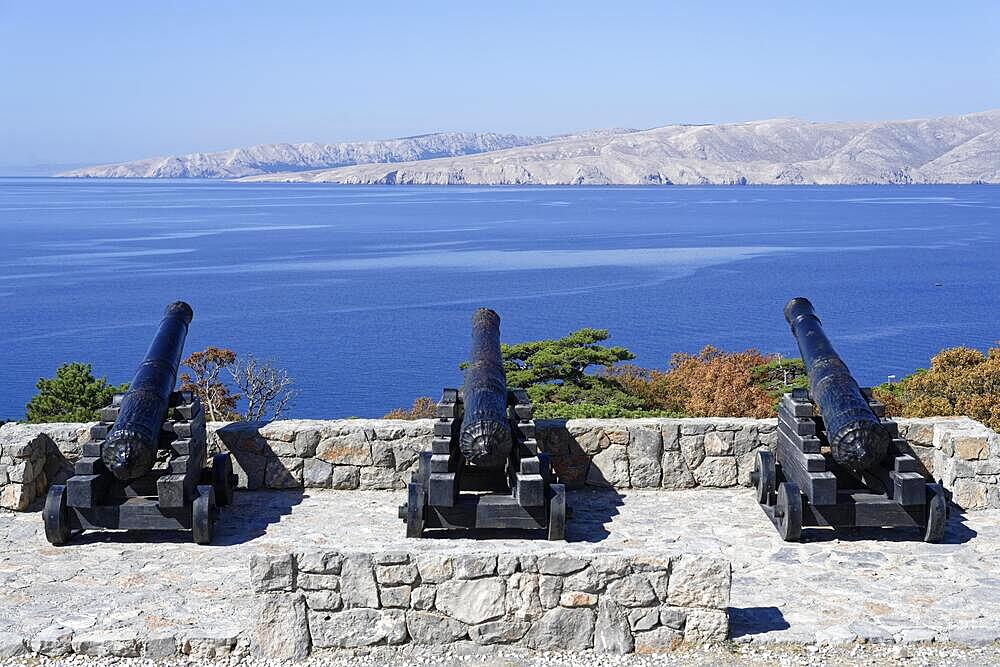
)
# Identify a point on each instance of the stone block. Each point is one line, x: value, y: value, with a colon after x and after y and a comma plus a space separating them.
x: 612, y: 633
x: 474, y: 566
x: 671, y: 432
x: 355, y: 628
x: 317, y: 582
x: 281, y: 630
x: 590, y: 441
x: 318, y: 562
x: 706, y: 626
x: 560, y: 564
x: 658, y: 640
x: 498, y: 632
x: 374, y: 478
x: 53, y: 641
x: 427, y: 628
x: 422, y: 598
x: 700, y: 581
x: 272, y: 573
x: 549, y: 590
x: 970, y: 494
x: 435, y: 568
x: 357, y: 582
x: 572, y: 469
x: 471, y: 601
x: 645, y: 451
x: 158, y: 646
x: 122, y: 643
x: 577, y: 599
x: 609, y: 468
x: 216, y: 642
x: 396, y: 575
x: 283, y: 473
x: 11, y: 645
x: 395, y: 597
x: 324, y: 600
x: 643, y: 618
x: 676, y: 474
x: 718, y: 471
x: 522, y: 596
x: 634, y: 590
x: 563, y: 629
x: 382, y: 454
x: 317, y: 473
x: 345, y: 477
x: 693, y: 450
x: 350, y: 449
x: 719, y: 443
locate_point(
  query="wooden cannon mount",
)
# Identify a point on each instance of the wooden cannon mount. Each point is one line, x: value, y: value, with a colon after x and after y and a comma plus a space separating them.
x: 522, y: 495
x: 180, y: 493
x: 801, y: 485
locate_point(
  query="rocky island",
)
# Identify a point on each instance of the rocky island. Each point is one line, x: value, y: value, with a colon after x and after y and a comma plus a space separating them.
x: 953, y: 149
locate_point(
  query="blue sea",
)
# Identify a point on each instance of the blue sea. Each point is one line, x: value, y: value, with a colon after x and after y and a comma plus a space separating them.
x: 364, y: 293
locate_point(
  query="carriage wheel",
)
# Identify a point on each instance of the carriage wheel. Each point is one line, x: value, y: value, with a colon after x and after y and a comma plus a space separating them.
x: 222, y: 478
x: 764, y: 476
x: 788, y: 511
x: 203, y: 515
x: 557, y: 512
x: 56, y: 516
x: 415, y: 496
x: 937, y: 513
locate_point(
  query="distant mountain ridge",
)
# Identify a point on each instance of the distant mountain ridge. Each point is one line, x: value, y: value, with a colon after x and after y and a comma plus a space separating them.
x: 270, y: 158
x: 954, y: 149
x: 951, y: 149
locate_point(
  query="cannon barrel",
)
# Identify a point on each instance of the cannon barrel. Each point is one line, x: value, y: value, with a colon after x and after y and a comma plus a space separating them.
x: 130, y: 449
x: 485, y: 439
x: 857, y: 437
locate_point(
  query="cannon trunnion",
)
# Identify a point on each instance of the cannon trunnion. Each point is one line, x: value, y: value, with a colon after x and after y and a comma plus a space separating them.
x: 484, y: 469
x: 144, y: 467
x: 839, y: 461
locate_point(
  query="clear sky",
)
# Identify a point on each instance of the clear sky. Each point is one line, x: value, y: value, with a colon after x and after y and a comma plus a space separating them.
x: 89, y: 82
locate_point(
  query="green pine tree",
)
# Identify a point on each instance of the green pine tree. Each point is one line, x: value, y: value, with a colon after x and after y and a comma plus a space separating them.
x: 554, y: 373
x: 73, y: 395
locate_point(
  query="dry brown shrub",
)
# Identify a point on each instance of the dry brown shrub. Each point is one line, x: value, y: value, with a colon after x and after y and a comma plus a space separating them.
x: 711, y: 383
x: 960, y: 381
x: 423, y: 408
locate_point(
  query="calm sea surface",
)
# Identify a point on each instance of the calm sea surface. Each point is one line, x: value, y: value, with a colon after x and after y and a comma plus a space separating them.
x: 365, y: 293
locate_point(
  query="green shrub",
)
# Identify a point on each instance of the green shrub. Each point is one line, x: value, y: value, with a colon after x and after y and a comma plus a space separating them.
x: 73, y: 395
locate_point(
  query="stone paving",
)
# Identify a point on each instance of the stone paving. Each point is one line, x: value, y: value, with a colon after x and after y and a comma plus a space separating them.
x: 159, y: 589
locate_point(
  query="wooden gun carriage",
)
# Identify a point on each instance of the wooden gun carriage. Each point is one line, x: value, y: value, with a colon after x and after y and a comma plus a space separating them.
x: 144, y: 467
x: 839, y: 461
x: 484, y: 469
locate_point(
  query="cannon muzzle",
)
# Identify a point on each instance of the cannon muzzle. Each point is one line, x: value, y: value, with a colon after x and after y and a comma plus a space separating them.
x: 857, y: 437
x: 130, y: 449
x: 485, y: 439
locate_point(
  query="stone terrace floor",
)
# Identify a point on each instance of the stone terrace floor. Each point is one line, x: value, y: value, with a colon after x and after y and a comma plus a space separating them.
x: 876, y: 585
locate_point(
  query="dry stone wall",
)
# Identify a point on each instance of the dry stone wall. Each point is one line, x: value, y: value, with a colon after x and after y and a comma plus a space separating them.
x: 612, y: 602
x: 620, y: 453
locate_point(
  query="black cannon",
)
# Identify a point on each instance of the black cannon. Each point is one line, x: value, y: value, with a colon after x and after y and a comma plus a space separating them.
x: 144, y: 466
x: 484, y: 469
x: 485, y: 438
x: 836, y: 449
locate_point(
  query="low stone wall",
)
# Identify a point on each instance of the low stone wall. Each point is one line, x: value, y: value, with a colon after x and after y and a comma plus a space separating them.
x: 612, y: 603
x: 33, y: 456
x: 621, y: 453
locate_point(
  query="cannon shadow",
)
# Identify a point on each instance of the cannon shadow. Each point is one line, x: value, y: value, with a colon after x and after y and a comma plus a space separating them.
x: 744, y: 621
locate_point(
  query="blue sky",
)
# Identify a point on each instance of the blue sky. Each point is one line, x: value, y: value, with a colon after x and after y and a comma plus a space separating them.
x: 88, y: 82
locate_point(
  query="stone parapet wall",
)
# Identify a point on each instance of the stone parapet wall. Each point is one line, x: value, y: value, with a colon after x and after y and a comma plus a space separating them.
x: 612, y: 602
x: 33, y: 456
x: 373, y: 454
